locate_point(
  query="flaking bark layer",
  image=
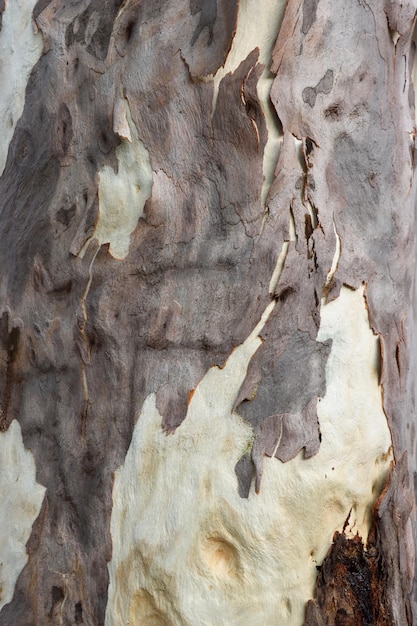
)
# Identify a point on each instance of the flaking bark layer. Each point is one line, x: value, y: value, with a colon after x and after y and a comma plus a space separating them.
x: 86, y: 337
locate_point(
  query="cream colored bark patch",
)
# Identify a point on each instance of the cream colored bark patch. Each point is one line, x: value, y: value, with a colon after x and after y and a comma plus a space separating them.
x: 353, y: 423
x: 20, y: 49
x: 188, y: 551
x: 257, y: 27
x: 21, y: 499
x: 122, y: 194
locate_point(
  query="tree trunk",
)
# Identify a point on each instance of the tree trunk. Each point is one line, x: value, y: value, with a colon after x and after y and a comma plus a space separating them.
x: 208, y: 345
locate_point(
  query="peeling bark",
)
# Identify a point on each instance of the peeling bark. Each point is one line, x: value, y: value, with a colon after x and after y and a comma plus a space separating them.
x: 144, y: 248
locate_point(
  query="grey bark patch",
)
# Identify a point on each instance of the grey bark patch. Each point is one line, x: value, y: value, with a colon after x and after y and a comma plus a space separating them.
x: 39, y: 7
x: 207, y: 18
x: 244, y: 471
x: 395, y: 539
x: 288, y: 382
x: 309, y: 96
x: 63, y: 132
x: 30, y: 176
x: 94, y: 27
x: 324, y: 85
x: 285, y: 386
x: 127, y: 28
x: 309, y: 14
x: 400, y: 15
x: 289, y: 352
x: 66, y: 214
x: 87, y: 224
x: 300, y: 430
x: 206, y: 45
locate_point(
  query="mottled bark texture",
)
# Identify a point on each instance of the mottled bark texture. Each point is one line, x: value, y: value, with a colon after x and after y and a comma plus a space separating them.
x: 86, y: 337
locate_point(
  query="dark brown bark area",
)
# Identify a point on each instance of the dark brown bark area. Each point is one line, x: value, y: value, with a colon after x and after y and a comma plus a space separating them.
x: 195, y: 281
x: 349, y: 587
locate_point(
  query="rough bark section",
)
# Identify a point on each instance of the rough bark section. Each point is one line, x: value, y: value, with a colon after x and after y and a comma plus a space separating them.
x: 349, y: 587
x: 97, y: 335
x: 355, y: 118
x: 355, y: 583
x: 211, y: 41
x: 287, y: 373
x: 9, y: 341
x: 393, y: 536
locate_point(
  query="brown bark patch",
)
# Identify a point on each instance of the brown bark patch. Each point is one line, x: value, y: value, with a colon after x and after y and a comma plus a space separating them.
x: 350, y: 587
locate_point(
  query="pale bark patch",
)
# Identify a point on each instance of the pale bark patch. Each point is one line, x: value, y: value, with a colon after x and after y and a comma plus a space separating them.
x: 21, y: 497
x: 20, y: 49
x: 183, y: 536
x: 122, y: 194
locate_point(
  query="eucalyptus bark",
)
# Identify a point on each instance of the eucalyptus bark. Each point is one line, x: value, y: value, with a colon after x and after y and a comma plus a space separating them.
x: 148, y: 234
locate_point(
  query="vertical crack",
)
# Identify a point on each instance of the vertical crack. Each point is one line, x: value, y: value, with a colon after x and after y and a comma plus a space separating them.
x: 86, y: 354
x: 335, y: 263
x: 281, y: 258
